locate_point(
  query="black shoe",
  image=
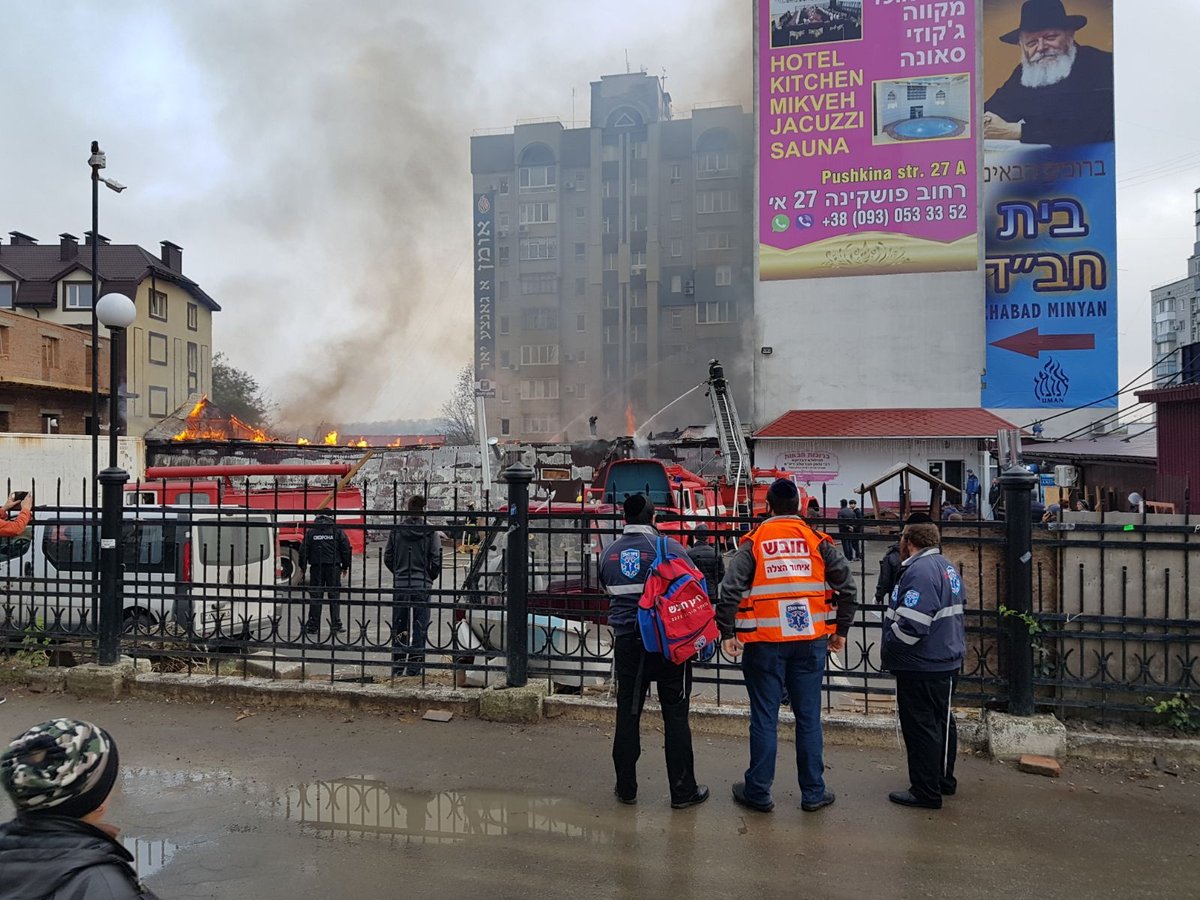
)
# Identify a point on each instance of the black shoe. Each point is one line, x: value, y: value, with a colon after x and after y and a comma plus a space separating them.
x: 905, y: 798
x: 628, y: 801
x: 739, y: 797
x: 312, y: 628
x: 949, y: 790
x: 336, y: 628
x: 825, y: 801
x: 696, y: 799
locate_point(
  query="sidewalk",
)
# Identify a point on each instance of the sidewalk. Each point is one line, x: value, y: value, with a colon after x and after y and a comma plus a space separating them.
x: 310, y: 804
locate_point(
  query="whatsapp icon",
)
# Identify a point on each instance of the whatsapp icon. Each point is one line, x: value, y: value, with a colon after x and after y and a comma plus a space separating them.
x: 780, y: 223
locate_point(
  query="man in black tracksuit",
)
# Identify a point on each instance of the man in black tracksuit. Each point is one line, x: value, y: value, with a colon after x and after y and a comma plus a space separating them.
x: 326, y: 553
x: 414, y: 557
x: 924, y: 642
x: 707, y: 558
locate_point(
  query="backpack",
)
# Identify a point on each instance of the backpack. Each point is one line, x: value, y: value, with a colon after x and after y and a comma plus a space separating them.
x: 675, y: 616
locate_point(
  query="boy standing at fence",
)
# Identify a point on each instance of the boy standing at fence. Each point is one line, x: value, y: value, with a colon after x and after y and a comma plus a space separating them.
x: 924, y: 642
x: 623, y: 572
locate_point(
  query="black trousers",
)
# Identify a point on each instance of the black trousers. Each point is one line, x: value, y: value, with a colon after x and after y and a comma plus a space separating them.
x: 930, y: 734
x: 324, y: 579
x: 674, y: 689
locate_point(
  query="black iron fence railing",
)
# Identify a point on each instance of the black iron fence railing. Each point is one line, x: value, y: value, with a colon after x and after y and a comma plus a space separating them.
x: 432, y: 597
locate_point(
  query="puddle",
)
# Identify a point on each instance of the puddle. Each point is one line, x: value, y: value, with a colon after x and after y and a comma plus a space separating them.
x: 367, y: 807
x: 150, y: 856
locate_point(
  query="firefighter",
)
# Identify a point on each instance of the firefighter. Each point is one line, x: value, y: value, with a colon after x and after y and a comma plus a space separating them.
x: 326, y: 553
x: 773, y: 607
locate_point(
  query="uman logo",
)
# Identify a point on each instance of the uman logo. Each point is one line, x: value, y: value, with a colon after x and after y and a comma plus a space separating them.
x: 485, y: 205
x: 631, y: 563
x: 1051, y: 384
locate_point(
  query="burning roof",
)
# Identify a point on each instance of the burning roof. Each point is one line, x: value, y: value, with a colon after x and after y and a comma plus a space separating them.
x: 203, y: 420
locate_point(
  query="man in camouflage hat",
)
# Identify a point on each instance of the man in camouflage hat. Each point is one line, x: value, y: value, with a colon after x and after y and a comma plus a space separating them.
x: 59, y: 776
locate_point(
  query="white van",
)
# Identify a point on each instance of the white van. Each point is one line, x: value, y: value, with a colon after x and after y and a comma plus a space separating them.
x: 214, y: 568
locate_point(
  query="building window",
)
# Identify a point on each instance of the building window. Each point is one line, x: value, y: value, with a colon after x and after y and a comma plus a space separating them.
x: 641, y: 149
x: 716, y: 201
x: 676, y: 247
x: 158, y: 402
x: 503, y: 186
x: 637, y: 298
x: 676, y: 211
x: 580, y: 213
x: 538, y: 213
x: 502, y: 254
x: 504, y: 359
x: 193, y: 365
x: 504, y: 324
x: 79, y: 296
x: 891, y: 100
x: 636, y: 188
x: 607, y: 225
x: 676, y: 173
x: 724, y: 276
x: 610, y: 299
x: 714, y: 312
x: 610, y: 262
x: 503, y: 220
x: 156, y: 349
x: 581, y: 323
x: 714, y: 240
x: 4, y: 342
x: 580, y: 252
x: 158, y: 306
x: 505, y: 394
x: 539, y: 284
x: 537, y: 178
x: 610, y: 334
x: 6, y: 422
x: 540, y: 389
x: 609, y: 153
x: 506, y: 426
x: 677, y: 319
x: 50, y: 353
x: 581, y: 356
x: 581, y: 391
x: 917, y: 91
x: 676, y: 284
x: 580, y: 287
x: 193, y: 317
x: 539, y: 355
x: 502, y: 290
x: 538, y: 425
x: 6, y: 296
x: 713, y: 164
x: 50, y: 423
x: 637, y: 260
x: 539, y: 248
x: 539, y: 319
x: 637, y: 334
x: 940, y: 98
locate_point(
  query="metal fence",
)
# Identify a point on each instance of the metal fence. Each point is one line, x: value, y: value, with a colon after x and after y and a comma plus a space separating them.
x: 218, y: 589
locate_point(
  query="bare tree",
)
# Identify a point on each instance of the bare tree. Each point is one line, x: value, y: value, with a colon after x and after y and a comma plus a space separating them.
x: 458, y: 413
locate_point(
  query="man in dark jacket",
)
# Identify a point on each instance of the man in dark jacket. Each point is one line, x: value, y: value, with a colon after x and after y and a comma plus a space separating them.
x: 326, y: 553
x: 889, y: 566
x: 59, y: 776
x: 414, y: 557
x: 624, y: 568
x: 707, y: 558
x: 924, y: 643
x: 1062, y: 92
x: 846, y: 519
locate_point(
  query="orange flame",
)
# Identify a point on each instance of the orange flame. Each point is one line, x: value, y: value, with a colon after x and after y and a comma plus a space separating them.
x: 630, y: 421
x: 361, y: 442
x: 205, y: 424
x: 331, y: 439
x: 302, y: 442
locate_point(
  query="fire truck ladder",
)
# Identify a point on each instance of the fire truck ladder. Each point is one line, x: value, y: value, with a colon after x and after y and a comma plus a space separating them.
x: 729, y: 429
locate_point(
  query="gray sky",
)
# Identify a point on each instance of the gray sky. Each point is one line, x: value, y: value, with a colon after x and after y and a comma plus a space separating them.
x: 312, y: 157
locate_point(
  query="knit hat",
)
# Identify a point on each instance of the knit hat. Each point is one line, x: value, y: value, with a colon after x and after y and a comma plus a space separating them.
x: 783, y: 489
x: 63, y: 767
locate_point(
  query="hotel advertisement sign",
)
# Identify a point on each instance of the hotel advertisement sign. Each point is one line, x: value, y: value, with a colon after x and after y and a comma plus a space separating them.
x: 868, y: 144
x: 1049, y: 188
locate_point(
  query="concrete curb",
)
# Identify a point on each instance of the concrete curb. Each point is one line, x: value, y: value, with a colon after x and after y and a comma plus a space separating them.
x: 531, y: 705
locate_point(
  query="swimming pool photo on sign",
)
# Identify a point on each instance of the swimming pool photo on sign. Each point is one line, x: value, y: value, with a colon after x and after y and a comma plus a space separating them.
x: 922, y: 109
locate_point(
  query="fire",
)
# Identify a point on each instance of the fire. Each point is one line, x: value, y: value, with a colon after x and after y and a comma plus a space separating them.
x: 331, y: 439
x: 630, y: 421
x: 361, y: 442
x: 207, y: 423
x: 302, y: 442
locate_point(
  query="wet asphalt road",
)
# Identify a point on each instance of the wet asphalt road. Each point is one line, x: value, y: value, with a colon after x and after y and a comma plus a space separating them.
x: 308, y: 804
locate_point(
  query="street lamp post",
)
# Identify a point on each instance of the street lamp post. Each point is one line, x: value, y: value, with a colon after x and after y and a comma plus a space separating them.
x: 117, y: 312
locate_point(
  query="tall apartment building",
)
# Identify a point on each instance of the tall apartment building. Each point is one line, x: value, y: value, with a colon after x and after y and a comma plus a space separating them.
x: 624, y: 254
x: 1175, y: 314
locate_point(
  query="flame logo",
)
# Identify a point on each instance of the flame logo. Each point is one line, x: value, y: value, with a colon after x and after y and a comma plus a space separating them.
x: 484, y: 204
x: 1051, y: 384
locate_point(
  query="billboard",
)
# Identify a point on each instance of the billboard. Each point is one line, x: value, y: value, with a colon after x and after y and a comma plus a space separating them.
x: 484, y: 233
x: 1049, y: 205
x: 868, y: 154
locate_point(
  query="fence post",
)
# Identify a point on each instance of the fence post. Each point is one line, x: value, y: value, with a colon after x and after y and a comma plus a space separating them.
x: 517, y: 477
x: 110, y: 606
x: 1018, y: 483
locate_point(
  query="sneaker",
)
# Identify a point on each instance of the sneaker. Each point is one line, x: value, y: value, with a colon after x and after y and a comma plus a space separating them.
x: 312, y: 628
x: 739, y: 797
x: 825, y: 801
x: 628, y: 801
x: 696, y: 799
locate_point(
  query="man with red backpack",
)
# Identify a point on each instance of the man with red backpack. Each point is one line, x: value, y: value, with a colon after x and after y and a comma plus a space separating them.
x: 624, y: 569
x: 775, y: 605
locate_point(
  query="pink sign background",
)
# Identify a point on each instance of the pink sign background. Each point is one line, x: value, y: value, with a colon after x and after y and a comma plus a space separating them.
x: 868, y: 137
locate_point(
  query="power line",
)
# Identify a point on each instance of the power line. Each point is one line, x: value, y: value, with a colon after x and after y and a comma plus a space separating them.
x: 1133, y: 385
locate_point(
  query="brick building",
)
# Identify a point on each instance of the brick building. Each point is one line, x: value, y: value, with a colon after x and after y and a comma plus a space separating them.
x: 45, y: 376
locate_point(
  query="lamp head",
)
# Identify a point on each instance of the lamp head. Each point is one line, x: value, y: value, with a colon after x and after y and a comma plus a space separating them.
x: 116, y: 311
